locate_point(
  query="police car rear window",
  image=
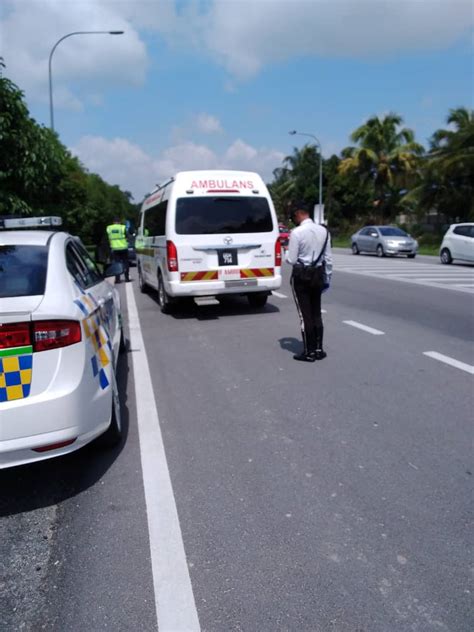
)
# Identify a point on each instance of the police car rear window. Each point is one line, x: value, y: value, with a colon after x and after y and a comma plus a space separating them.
x: 212, y: 215
x: 22, y: 270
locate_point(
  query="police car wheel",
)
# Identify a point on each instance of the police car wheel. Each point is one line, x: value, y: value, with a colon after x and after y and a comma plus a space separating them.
x: 257, y: 299
x: 163, y: 298
x: 113, y: 435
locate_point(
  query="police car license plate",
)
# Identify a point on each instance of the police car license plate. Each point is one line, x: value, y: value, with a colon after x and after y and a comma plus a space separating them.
x: 227, y: 257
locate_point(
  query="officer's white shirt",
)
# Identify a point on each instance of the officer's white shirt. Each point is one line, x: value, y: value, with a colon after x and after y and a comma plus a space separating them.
x: 306, y: 242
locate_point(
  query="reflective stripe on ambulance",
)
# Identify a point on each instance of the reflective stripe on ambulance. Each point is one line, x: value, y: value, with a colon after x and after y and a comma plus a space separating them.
x: 206, y: 275
x: 213, y: 275
x: 250, y: 273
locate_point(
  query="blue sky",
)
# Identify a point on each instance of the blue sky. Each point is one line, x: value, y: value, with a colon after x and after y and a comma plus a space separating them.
x: 219, y: 83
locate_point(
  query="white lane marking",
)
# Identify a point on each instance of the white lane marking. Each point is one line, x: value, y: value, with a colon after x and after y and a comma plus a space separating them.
x: 174, y: 599
x: 279, y: 295
x: 434, y: 275
x: 451, y: 361
x: 369, y: 330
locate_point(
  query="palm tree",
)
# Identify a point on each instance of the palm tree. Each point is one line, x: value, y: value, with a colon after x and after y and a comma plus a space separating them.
x: 387, y: 155
x: 448, y: 171
x: 454, y: 149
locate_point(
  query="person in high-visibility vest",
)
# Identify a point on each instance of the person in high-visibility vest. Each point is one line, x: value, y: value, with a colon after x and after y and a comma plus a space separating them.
x: 117, y: 236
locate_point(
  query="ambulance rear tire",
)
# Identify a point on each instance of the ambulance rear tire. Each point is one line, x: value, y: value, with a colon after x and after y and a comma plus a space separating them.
x: 258, y: 300
x: 141, y: 281
x: 164, y: 300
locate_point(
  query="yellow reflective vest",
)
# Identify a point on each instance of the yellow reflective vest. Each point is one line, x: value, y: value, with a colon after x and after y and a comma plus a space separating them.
x: 117, y: 234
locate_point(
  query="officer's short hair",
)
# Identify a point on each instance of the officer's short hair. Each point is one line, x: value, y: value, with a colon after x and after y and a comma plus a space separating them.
x: 300, y: 205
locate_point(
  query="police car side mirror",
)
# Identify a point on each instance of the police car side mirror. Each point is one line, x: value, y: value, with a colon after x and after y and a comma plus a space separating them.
x: 114, y: 269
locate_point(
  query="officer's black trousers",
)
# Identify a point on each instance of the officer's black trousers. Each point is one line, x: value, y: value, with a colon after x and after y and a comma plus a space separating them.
x: 122, y: 256
x: 307, y: 295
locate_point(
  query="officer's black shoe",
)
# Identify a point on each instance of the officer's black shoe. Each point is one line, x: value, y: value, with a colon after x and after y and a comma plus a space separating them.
x: 319, y: 354
x: 305, y: 357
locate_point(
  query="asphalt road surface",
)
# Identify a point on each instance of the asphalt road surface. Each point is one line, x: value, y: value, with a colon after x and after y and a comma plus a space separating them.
x: 271, y: 494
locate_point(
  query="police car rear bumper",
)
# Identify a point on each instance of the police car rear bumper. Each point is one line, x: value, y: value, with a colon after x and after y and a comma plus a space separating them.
x: 48, y: 419
x: 179, y: 289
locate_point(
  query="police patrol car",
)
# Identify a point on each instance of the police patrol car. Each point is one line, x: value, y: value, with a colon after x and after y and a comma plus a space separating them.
x: 207, y: 233
x: 60, y: 333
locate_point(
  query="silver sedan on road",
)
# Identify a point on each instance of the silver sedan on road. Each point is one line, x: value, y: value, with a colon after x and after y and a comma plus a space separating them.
x: 384, y: 240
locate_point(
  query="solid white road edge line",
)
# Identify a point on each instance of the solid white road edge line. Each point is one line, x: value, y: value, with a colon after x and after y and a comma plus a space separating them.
x: 369, y: 330
x: 279, y: 295
x: 451, y: 361
x: 174, y: 599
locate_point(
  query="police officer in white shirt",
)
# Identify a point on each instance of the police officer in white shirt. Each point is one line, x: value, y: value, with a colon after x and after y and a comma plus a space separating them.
x: 309, y: 252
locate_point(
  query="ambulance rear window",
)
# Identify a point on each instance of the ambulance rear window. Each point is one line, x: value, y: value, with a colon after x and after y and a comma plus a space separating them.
x: 212, y: 215
x: 22, y: 270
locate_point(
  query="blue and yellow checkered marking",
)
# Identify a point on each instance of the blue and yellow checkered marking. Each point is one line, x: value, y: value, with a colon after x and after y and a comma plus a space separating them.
x: 95, y: 326
x: 15, y: 377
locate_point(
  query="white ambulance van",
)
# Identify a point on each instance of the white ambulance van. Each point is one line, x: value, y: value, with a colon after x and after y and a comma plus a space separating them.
x: 203, y: 234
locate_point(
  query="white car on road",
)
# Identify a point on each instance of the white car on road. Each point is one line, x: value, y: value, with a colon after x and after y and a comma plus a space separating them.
x: 60, y: 333
x: 458, y: 243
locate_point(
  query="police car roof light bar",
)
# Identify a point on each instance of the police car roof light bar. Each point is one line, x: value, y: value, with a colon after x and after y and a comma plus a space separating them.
x: 30, y: 222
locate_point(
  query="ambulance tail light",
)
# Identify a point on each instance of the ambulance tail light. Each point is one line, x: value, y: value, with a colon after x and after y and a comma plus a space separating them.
x: 54, y: 334
x: 172, y: 256
x: 15, y: 335
x: 278, y: 252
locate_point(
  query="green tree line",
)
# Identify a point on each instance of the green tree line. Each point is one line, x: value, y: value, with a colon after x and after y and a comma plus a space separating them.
x: 385, y: 174
x: 39, y: 176
x: 382, y: 176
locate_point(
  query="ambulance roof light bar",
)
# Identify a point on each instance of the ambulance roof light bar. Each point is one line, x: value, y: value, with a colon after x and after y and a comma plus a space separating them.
x: 30, y: 222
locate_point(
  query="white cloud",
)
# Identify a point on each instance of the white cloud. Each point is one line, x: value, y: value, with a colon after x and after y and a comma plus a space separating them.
x: 208, y: 124
x: 242, y: 36
x: 121, y: 162
x: 118, y: 161
x: 202, y: 123
x: 245, y: 35
x: 240, y: 155
x: 30, y: 30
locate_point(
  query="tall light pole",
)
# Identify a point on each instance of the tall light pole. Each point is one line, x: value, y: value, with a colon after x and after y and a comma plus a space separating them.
x: 318, y: 144
x: 51, y: 113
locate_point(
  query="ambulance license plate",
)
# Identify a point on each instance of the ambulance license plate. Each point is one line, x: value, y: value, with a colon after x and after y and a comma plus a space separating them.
x: 227, y: 257
x: 229, y: 274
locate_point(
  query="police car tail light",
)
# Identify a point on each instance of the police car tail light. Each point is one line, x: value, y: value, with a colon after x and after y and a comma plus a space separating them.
x: 172, y: 256
x: 53, y: 334
x: 15, y: 335
x: 278, y: 252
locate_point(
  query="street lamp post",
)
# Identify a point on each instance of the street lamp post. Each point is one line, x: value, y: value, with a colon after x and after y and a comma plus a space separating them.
x: 318, y: 144
x: 51, y: 113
